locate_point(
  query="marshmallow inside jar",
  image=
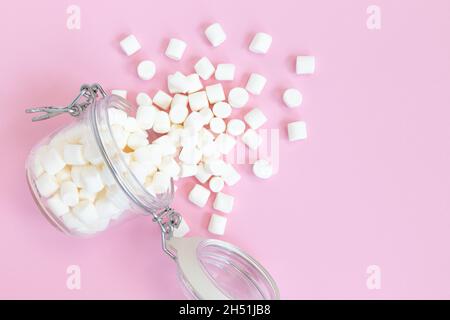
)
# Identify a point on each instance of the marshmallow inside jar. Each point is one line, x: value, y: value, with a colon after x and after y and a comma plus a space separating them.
x: 107, y: 177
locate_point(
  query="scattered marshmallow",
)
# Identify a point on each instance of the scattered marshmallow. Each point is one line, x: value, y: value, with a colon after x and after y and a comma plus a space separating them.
x: 262, y: 169
x: 223, y: 202
x: 202, y: 174
x: 145, y: 117
x: 143, y: 99
x: 204, y: 68
x: 305, y: 65
x: 162, y: 122
x: 231, y: 176
x: 261, y: 43
x: 222, y: 110
x: 255, y: 118
x: 177, y: 83
x: 194, y: 121
x: 120, y: 93
x: 297, y: 131
x: 151, y: 154
x: 73, y: 154
x: 216, y: 167
x: 199, y: 195
x: 46, y: 185
x: 255, y: 84
x: 130, y: 45
x: 190, y: 155
x: 215, y: 34
x: 188, y: 170
x: 68, y: 193
x: 193, y: 83
x: 146, y: 69
x: 225, y: 72
x: 216, y: 184
x: 251, y: 139
x: 292, y: 98
x: 175, y: 49
x: 207, y: 115
x: 217, y: 125
x: 162, y: 99
x: 235, y: 127
x: 217, y: 224
x: 198, y: 100
x: 215, y: 93
x: 225, y: 143
x: 238, y: 97
x: 178, y: 109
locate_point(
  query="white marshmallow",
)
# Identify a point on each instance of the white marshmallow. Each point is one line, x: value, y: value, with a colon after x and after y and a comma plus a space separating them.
x: 120, y: 136
x: 255, y: 84
x: 198, y: 100
x: 204, y: 68
x: 202, y: 174
x: 216, y: 184
x: 207, y: 115
x: 68, y: 193
x: 204, y: 137
x: 140, y: 170
x: 188, y: 170
x: 151, y: 154
x: 210, y: 150
x: 162, y: 99
x: 115, y: 195
x: 167, y: 146
x: 162, y: 122
x: 175, y: 49
x: 217, y: 224
x: 231, y: 176
x: 63, y: 175
x: 193, y: 83
x: 223, y: 202
x: 217, y: 125
x: 51, y: 160
x: 292, y: 98
x: 56, y: 206
x: 91, y: 151
x: 130, y: 45
x: 73, y: 223
x: 225, y: 72
x: 146, y: 69
x: 189, y: 137
x: 75, y: 173
x: 161, y: 182
x: 215, y: 34
x: 145, y: 116
x: 86, y: 212
x: 177, y: 83
x: 238, y: 97
x: 215, y: 93
x: 36, y: 167
x: 222, y: 110
x: 255, y: 118
x: 261, y: 43
x: 107, y: 177
x: 181, y: 230
x: 297, y: 131
x: 106, y: 209
x: 194, y: 121
x: 91, y: 179
x: 170, y: 167
x: 225, y: 143
x: 120, y: 93
x: 46, y: 185
x: 262, y: 169
x: 235, y: 127
x: 190, y: 155
x: 73, y: 154
x: 137, y: 140
x: 199, y: 195
x: 178, y: 113
x: 252, y: 139
x: 216, y: 167
x: 87, y: 195
x: 143, y: 99
x: 116, y: 116
x: 305, y: 65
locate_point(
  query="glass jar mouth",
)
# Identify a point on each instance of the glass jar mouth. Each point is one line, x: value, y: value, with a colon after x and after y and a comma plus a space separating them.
x: 114, y: 159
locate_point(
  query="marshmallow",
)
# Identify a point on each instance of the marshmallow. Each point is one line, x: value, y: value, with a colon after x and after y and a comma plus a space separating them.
x: 255, y: 84
x: 252, y: 139
x: 255, y: 118
x: 36, y: 167
x: 73, y: 223
x: 170, y: 167
x: 120, y: 136
x: 222, y: 110
x: 63, y: 175
x: 216, y: 167
x: 217, y: 125
x: 178, y: 108
x: 181, y: 230
x: 51, y: 160
x: 86, y: 212
x: 189, y: 137
x: 225, y: 71
x: 297, y: 131
x: 106, y: 209
x: 223, y: 202
x: 120, y: 93
x: 215, y: 93
x: 167, y: 146
x: 305, y: 65
x: 151, y: 154
x: 231, y: 176
x: 175, y: 49
x: 261, y: 43
x: 56, y: 206
x: 217, y: 224
x: 107, y: 177
x: 162, y: 122
x: 193, y: 83
x: 161, y: 182
x: 143, y: 99
x: 68, y: 193
x: 177, y: 83
x: 140, y: 170
x: 130, y: 45
x: 46, y: 185
x: 137, y: 140
x: 204, y: 137
x: 292, y: 98
x: 225, y: 143
x: 75, y: 173
x: 210, y: 150
x: 262, y: 169
x: 207, y: 115
x: 145, y: 116
x: 91, y: 179
x: 146, y: 69
x: 235, y: 127
x: 199, y: 195
x: 91, y: 151
x: 194, y: 121
x: 87, y: 195
x: 216, y: 184
x: 215, y: 34
x: 115, y: 195
x: 162, y: 99
x: 204, y: 68
x: 73, y: 154
x: 117, y: 116
x: 188, y: 170
x: 238, y: 97
x: 198, y: 101
x: 190, y: 155
x: 202, y: 174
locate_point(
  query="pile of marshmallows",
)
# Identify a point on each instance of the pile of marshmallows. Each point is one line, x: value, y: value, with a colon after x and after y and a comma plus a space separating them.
x: 195, y: 135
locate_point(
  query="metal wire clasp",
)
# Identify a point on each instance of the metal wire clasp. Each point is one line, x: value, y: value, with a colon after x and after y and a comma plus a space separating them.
x: 86, y: 96
x: 168, y: 220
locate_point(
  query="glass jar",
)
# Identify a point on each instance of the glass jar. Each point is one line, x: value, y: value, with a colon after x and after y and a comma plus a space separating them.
x: 84, y: 179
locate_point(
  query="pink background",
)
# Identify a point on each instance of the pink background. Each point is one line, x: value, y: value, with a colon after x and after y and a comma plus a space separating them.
x: 370, y: 186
